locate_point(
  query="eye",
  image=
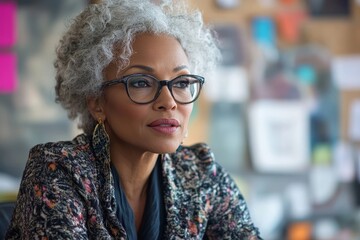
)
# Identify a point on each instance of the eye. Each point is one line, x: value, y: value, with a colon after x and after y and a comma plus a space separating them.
x: 182, y: 83
x: 140, y: 82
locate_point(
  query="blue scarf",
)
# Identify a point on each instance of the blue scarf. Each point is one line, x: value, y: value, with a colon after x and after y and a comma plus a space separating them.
x: 153, y: 222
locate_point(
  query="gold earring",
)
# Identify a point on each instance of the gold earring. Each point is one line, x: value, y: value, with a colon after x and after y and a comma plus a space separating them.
x: 99, y: 131
x: 99, y: 125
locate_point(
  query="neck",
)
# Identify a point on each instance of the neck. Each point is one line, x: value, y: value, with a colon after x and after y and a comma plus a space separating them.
x: 134, y: 169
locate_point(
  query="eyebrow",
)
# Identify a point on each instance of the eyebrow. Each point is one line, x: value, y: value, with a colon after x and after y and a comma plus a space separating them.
x: 179, y: 68
x: 146, y: 68
x: 150, y: 69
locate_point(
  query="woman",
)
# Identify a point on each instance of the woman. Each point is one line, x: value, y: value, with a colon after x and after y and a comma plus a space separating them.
x: 127, y: 176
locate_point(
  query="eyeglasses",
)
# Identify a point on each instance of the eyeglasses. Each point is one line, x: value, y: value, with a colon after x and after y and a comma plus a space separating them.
x: 143, y: 88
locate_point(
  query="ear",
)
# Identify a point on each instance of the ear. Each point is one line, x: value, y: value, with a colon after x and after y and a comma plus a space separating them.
x: 95, y: 108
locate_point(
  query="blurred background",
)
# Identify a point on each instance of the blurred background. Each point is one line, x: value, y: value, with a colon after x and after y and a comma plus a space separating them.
x: 281, y: 111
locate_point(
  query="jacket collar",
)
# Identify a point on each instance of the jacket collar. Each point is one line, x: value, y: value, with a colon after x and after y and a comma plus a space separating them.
x: 101, y: 147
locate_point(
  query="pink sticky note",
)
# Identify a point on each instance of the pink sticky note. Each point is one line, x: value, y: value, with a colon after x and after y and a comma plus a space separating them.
x: 7, y: 24
x: 8, y: 73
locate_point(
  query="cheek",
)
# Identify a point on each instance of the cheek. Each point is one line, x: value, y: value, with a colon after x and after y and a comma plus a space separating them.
x: 121, y: 110
x: 186, y: 112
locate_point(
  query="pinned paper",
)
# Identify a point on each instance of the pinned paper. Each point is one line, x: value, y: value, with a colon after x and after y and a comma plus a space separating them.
x: 354, y: 124
x: 289, y: 25
x: 228, y: 84
x: 8, y: 73
x: 7, y: 24
x: 346, y: 71
x: 344, y: 162
x: 267, y: 3
x: 228, y: 4
x: 263, y: 31
x: 279, y: 135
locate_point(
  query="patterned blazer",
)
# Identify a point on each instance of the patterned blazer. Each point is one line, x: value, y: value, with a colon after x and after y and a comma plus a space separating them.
x: 67, y: 192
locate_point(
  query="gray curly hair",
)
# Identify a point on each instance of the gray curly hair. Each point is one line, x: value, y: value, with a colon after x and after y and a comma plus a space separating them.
x: 88, y: 46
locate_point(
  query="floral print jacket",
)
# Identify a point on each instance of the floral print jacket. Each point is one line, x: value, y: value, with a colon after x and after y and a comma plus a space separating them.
x: 67, y: 192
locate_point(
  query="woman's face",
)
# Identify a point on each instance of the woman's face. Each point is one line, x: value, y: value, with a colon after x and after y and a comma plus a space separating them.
x: 159, y: 126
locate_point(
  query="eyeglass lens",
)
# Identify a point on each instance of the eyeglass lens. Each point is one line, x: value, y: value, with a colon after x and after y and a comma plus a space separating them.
x: 143, y: 89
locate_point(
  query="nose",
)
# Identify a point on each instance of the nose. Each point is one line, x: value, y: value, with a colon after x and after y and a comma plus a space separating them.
x: 165, y: 100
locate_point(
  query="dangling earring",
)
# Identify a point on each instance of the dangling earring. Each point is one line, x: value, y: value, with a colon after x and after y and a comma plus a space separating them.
x: 99, y: 133
x: 101, y: 149
x: 100, y: 124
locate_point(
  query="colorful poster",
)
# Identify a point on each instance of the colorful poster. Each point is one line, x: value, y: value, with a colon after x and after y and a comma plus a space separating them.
x: 7, y: 24
x: 8, y: 73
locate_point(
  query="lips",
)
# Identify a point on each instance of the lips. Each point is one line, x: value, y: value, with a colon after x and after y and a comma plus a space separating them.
x: 166, y: 126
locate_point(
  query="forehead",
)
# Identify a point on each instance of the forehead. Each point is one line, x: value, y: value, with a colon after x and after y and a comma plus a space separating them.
x: 160, y: 47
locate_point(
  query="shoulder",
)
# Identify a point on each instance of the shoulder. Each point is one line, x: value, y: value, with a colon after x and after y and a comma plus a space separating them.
x: 198, y: 157
x: 196, y: 164
x: 199, y: 152
x: 56, y: 165
x: 61, y: 156
x: 55, y: 173
x: 62, y: 149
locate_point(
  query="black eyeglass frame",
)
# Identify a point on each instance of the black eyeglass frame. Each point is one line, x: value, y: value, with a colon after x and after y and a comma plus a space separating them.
x: 161, y: 84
